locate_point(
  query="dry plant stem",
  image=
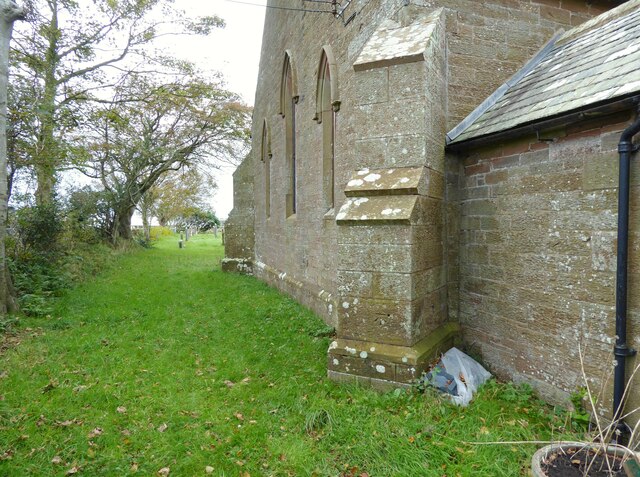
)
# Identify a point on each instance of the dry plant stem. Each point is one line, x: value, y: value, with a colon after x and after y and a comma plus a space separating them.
x: 595, y: 414
x: 484, y: 443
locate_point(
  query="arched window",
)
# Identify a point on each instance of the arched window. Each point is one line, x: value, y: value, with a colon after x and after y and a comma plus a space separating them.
x: 288, y: 100
x: 327, y: 103
x: 265, y: 156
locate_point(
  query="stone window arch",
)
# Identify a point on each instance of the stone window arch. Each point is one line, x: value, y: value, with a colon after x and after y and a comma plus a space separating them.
x: 327, y: 104
x: 265, y: 157
x: 288, y: 100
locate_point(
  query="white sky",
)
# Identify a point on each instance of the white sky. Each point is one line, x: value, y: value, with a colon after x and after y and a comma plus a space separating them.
x: 235, y: 52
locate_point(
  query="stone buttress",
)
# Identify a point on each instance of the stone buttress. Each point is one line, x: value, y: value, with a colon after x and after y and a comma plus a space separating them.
x: 392, y: 293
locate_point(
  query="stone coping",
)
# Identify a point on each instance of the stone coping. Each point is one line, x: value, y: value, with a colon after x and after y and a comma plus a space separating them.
x: 415, y: 355
x: 380, y: 209
x: 393, y: 181
x: 393, y: 44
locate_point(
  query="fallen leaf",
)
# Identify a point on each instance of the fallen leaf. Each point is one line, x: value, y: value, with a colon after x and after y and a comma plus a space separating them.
x: 80, y: 388
x: 121, y: 409
x: 253, y: 421
x: 164, y: 471
x: 56, y: 460
x: 412, y: 439
x: 69, y: 422
x: 484, y: 430
x: 73, y: 470
x: 41, y: 421
x: 4, y: 375
x: 208, y: 469
x: 134, y: 467
x: 246, y: 380
x: 239, y: 416
x: 162, y: 427
x: 51, y: 385
x: 7, y: 455
x: 229, y: 384
x: 96, y: 432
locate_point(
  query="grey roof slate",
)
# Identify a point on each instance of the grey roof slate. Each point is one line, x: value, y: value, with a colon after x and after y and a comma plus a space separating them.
x: 598, y: 61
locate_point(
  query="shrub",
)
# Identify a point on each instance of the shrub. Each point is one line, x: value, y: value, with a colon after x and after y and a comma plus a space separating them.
x: 37, y: 231
x: 157, y: 232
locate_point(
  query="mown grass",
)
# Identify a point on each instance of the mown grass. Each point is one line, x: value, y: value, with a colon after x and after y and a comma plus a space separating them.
x: 163, y: 361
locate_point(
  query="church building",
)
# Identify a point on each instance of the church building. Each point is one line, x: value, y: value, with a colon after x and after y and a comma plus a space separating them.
x: 425, y: 173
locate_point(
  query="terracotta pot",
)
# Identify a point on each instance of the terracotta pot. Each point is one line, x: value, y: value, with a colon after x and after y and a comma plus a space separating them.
x: 540, y: 455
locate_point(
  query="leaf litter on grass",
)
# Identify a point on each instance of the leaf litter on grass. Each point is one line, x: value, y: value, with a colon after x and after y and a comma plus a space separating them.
x: 267, y: 371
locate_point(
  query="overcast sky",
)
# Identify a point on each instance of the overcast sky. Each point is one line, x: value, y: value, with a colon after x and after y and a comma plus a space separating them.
x: 235, y: 52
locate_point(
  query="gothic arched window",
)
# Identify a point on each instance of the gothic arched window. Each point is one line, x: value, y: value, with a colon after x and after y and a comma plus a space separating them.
x: 265, y: 156
x: 288, y: 101
x: 327, y: 104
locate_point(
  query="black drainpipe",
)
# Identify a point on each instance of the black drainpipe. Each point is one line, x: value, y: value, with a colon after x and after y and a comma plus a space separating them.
x: 621, y: 350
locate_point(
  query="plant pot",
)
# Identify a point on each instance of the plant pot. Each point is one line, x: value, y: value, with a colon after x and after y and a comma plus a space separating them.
x: 563, y: 449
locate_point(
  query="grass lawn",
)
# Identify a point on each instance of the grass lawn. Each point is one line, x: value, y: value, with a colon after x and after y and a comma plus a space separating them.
x: 163, y: 361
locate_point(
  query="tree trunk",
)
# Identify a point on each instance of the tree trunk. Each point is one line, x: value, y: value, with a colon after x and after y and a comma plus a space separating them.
x: 146, y: 227
x: 124, y: 223
x: 47, y: 152
x: 9, y: 13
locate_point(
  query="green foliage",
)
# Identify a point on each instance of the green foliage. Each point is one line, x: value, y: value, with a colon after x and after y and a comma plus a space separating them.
x: 34, y: 255
x: 51, y: 247
x: 7, y: 323
x: 38, y: 230
x: 317, y: 421
x: 580, y: 416
x: 89, y: 215
x: 36, y: 281
x: 202, y: 220
x: 323, y: 331
x: 156, y: 233
x: 140, y: 239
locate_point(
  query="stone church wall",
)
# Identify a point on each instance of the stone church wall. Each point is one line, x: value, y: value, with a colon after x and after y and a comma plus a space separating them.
x: 537, y: 234
x: 388, y: 284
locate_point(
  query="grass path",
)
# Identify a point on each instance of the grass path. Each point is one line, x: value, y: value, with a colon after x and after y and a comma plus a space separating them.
x: 164, y: 362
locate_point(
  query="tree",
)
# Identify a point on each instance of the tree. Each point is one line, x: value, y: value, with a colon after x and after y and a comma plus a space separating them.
x: 9, y: 13
x: 129, y: 145
x: 200, y: 219
x: 179, y: 193
x: 71, y: 50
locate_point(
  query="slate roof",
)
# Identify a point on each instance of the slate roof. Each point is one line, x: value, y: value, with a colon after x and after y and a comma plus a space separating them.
x: 596, y: 62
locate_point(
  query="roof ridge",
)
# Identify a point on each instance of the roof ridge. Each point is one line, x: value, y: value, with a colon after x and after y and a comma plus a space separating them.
x: 600, y: 20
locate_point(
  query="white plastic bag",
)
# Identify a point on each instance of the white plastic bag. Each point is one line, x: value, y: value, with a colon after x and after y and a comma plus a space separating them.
x: 467, y: 372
